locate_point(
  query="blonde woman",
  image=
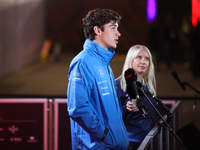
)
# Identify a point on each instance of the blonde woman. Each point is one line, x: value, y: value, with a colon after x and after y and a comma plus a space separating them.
x: 139, y: 59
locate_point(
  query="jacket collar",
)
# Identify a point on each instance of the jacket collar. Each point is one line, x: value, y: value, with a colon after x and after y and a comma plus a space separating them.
x: 93, y: 47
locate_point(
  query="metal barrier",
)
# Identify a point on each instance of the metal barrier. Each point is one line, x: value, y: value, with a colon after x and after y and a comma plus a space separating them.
x: 55, y: 118
x: 160, y: 138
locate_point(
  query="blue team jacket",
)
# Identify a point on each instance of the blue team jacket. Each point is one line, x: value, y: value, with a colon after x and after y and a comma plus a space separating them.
x: 92, y: 99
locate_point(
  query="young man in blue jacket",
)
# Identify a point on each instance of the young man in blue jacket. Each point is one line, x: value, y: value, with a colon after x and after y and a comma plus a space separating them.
x: 93, y: 105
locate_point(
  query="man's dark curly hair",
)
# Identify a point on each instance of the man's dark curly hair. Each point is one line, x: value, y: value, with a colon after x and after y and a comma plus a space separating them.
x: 98, y: 17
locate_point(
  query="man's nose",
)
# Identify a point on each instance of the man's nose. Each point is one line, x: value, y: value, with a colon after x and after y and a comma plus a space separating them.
x: 118, y: 34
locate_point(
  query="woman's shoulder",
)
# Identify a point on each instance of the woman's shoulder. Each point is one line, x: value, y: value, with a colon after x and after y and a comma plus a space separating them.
x: 117, y: 80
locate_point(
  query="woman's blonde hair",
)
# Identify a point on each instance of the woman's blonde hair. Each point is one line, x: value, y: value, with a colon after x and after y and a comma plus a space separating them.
x: 148, y: 76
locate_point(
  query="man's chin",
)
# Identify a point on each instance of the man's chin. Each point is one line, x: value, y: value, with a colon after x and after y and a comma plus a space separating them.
x: 114, y: 46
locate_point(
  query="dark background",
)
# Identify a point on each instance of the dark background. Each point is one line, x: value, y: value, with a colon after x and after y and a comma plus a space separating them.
x: 25, y: 25
x: 64, y: 20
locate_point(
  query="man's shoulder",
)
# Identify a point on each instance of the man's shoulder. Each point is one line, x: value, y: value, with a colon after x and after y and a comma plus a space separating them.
x: 83, y: 58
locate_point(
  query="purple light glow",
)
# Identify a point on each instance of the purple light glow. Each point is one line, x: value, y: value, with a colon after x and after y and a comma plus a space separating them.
x: 151, y: 10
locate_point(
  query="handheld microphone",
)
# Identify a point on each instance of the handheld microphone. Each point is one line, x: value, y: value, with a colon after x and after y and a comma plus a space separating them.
x: 141, y: 106
x: 132, y: 90
x: 130, y: 77
x: 175, y: 75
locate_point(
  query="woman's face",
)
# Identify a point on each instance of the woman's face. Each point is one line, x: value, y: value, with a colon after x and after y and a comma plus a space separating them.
x: 141, y: 62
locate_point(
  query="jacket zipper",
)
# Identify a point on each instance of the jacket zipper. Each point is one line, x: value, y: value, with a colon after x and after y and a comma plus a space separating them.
x: 112, y: 87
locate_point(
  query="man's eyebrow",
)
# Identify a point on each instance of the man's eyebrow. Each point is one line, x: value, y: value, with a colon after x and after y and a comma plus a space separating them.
x: 113, y: 25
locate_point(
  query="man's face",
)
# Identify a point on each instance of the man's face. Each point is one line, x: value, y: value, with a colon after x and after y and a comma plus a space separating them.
x: 110, y: 36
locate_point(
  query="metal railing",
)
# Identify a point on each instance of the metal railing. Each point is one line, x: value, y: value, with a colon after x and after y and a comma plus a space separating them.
x: 160, y: 138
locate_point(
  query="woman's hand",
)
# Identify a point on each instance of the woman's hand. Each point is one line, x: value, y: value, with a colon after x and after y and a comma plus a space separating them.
x: 131, y: 107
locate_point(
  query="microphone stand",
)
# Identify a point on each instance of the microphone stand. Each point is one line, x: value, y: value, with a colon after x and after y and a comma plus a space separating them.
x: 166, y: 126
x: 142, y: 107
x: 185, y: 83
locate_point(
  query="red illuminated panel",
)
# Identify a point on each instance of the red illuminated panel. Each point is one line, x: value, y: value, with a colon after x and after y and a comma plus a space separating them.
x: 23, y: 124
x: 198, y: 10
x: 169, y: 102
x: 195, y: 12
x: 62, y: 132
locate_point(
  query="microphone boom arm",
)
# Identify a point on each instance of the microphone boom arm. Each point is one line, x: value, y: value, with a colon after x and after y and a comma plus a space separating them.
x: 185, y: 83
x: 169, y: 114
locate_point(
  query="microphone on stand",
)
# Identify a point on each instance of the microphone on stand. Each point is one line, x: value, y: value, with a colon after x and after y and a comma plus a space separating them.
x: 130, y: 77
x: 132, y: 89
x: 164, y: 124
x: 175, y: 75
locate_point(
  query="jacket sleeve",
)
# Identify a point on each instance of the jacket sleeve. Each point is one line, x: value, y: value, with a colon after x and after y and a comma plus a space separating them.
x: 79, y: 106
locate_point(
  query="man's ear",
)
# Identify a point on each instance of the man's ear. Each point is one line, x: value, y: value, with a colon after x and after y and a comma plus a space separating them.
x: 97, y: 30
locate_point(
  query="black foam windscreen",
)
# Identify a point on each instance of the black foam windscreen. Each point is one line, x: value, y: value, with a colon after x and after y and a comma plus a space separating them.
x: 130, y: 76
